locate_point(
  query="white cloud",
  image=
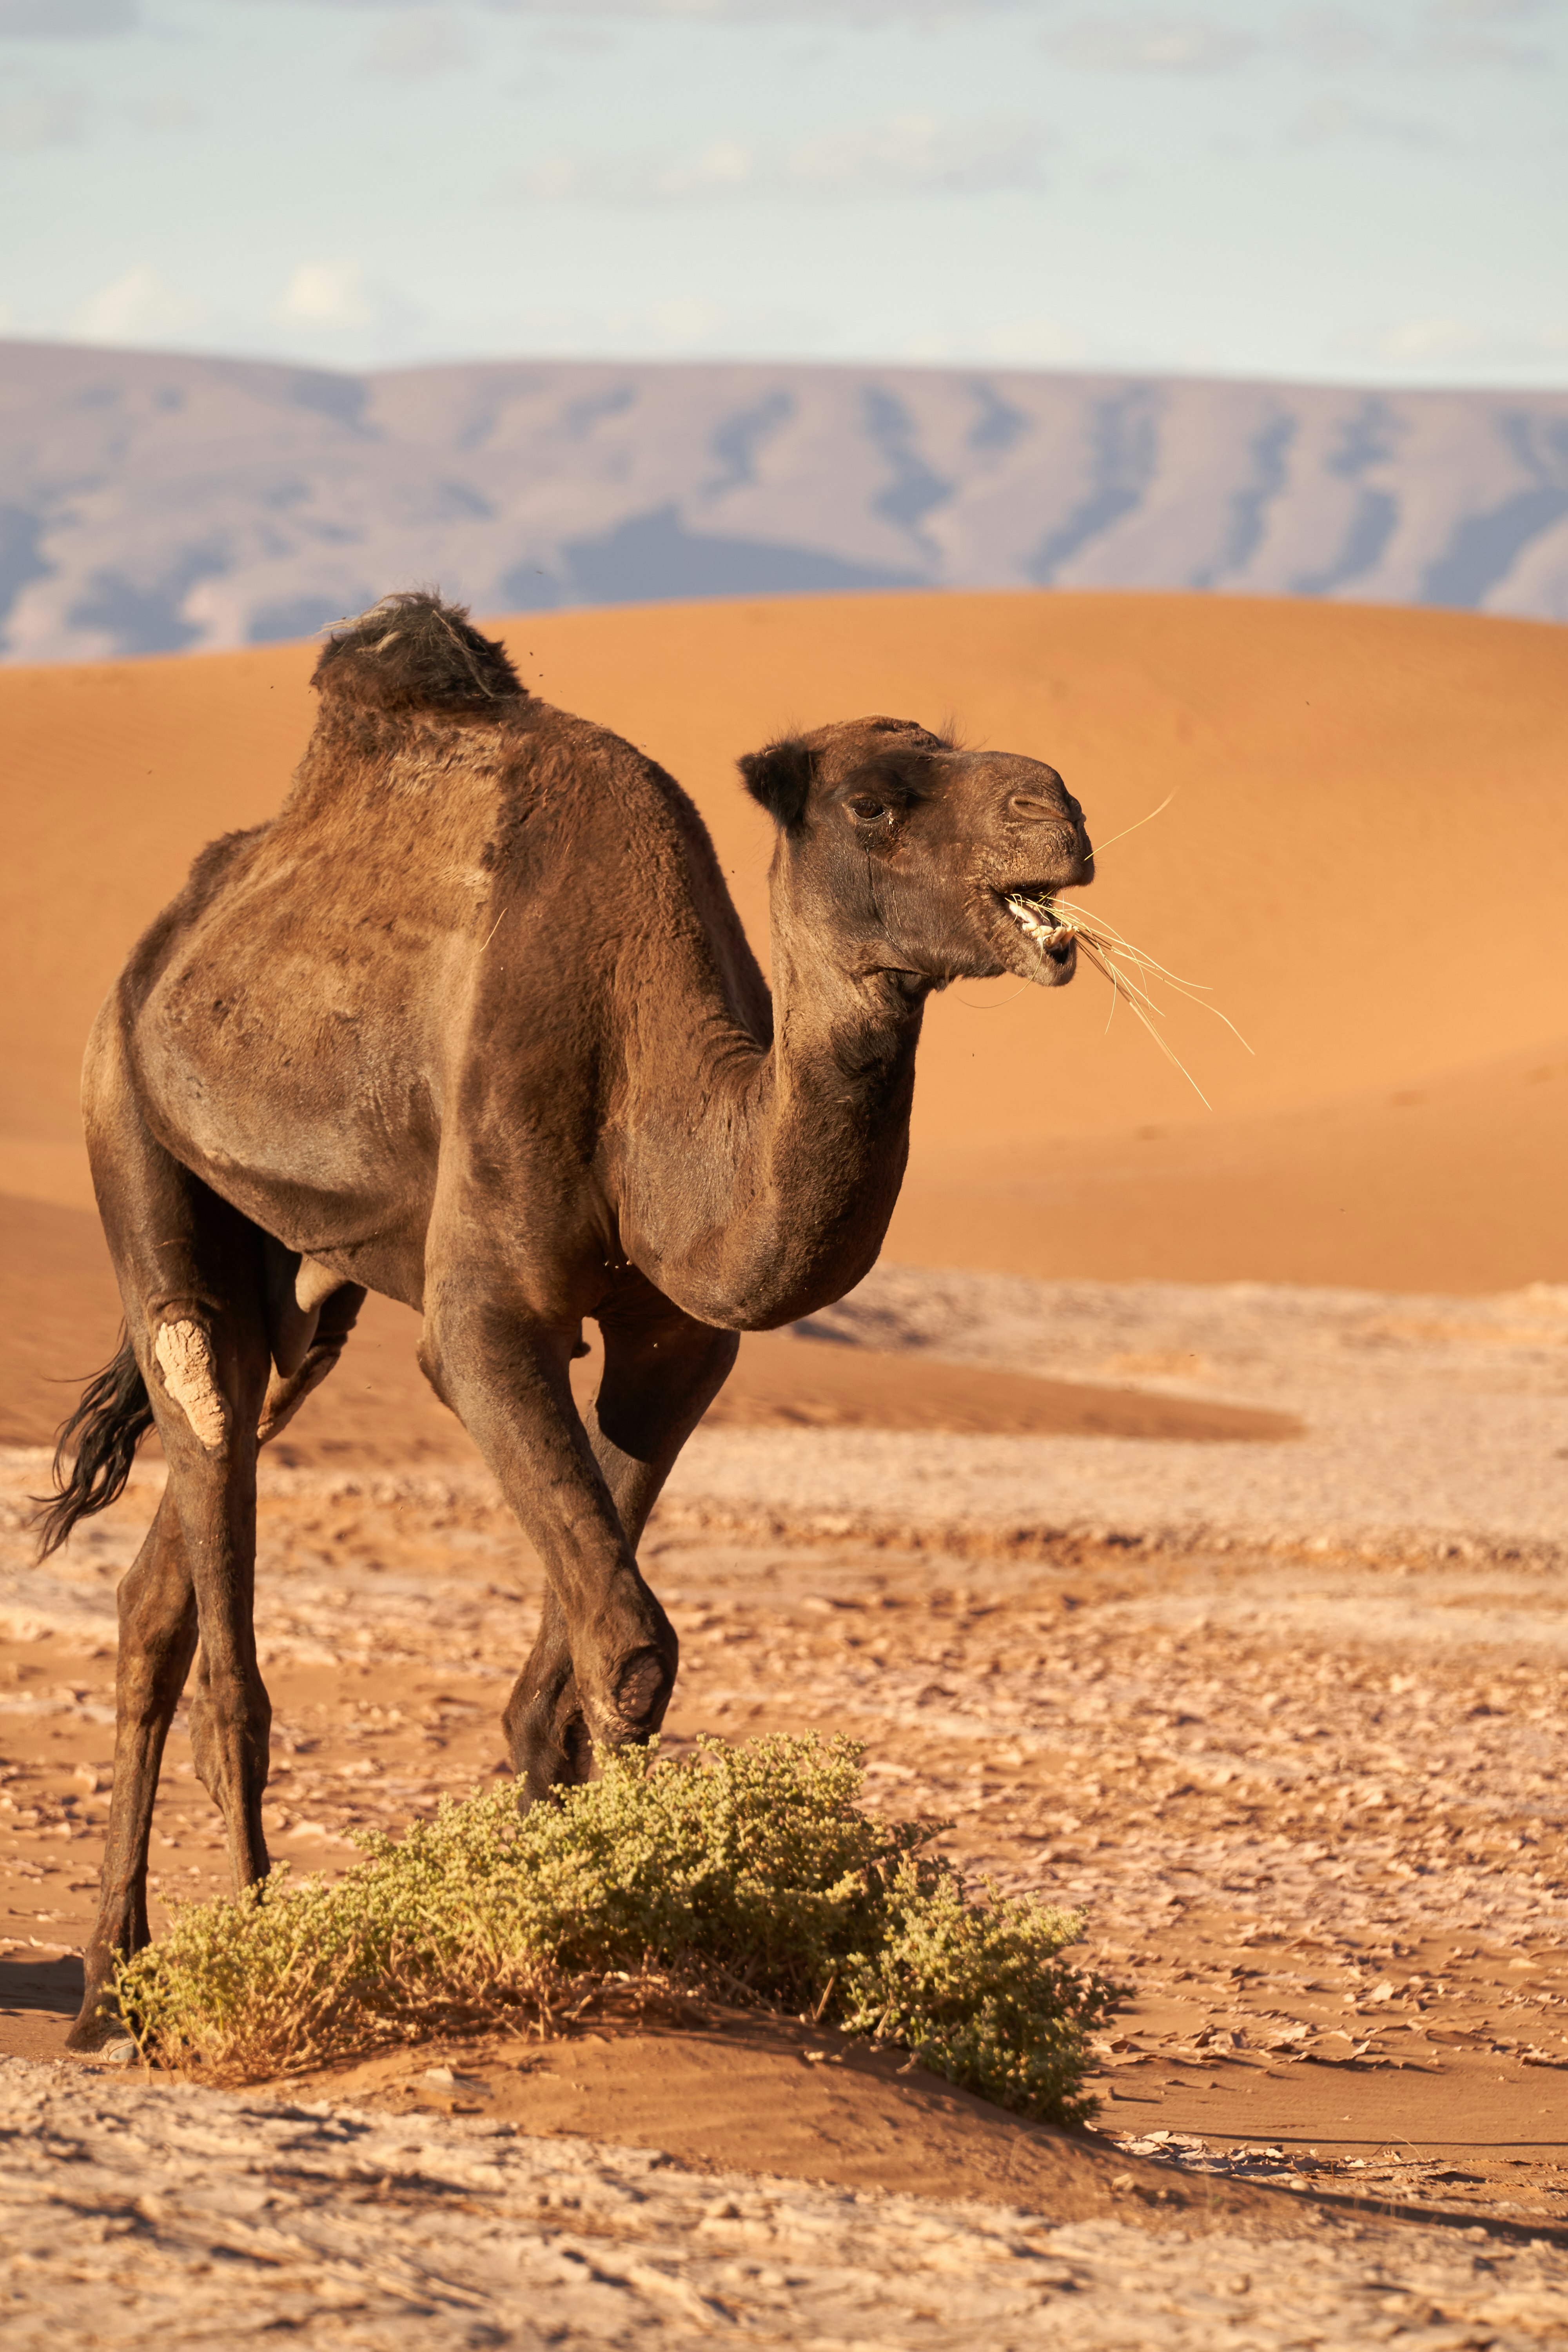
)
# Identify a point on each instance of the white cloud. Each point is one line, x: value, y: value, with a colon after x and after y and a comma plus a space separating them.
x: 35, y: 118
x: 138, y: 308
x: 1333, y: 117
x: 330, y: 305
x: 417, y: 42
x: 1483, y: 12
x: 1466, y: 33
x: 167, y: 109
x: 1331, y: 39
x: 1036, y: 342
x: 685, y: 321
x: 1439, y: 342
x: 1150, y: 43
x: 851, y: 11
x: 916, y: 152
x: 842, y: 12
x: 723, y: 165
x: 64, y: 20
x: 908, y: 154
x: 326, y: 294
x: 1482, y: 48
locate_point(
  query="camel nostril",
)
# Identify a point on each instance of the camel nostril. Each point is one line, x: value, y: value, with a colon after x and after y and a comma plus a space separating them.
x: 1027, y: 805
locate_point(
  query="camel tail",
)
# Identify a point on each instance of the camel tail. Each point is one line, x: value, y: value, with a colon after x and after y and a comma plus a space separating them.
x: 95, y: 1448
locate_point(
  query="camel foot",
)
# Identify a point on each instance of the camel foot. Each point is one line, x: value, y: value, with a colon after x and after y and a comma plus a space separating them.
x: 642, y: 1691
x: 98, y: 2021
x: 94, y: 2031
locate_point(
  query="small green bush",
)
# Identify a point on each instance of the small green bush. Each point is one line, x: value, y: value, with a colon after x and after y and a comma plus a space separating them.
x: 750, y: 1872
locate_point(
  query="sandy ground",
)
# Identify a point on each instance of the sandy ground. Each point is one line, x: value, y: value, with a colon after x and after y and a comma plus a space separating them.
x: 1312, y: 1806
x: 213, y: 2219
x: 1281, y: 1712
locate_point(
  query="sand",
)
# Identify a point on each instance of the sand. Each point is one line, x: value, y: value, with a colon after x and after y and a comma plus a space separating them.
x: 218, y: 2218
x: 1311, y: 1809
x: 1363, y: 858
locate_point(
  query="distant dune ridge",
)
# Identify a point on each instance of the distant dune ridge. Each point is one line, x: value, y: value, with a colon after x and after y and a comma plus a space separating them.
x: 155, y: 503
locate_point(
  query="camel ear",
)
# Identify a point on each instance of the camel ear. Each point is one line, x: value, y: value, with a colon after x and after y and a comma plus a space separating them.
x: 780, y: 777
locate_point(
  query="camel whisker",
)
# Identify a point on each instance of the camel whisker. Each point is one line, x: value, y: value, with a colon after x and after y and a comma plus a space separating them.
x: 1096, y: 931
x: 1102, y: 846
x: 1120, y: 986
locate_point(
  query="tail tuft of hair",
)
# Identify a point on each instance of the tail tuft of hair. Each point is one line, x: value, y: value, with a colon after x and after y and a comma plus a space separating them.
x: 95, y: 1448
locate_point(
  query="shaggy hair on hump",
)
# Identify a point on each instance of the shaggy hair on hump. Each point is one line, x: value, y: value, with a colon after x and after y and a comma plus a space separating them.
x: 411, y: 652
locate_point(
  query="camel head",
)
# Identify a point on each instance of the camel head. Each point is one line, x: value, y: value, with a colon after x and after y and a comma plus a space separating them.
x: 929, y: 862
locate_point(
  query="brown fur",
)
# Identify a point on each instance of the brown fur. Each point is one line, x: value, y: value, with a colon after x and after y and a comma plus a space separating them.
x: 473, y: 1023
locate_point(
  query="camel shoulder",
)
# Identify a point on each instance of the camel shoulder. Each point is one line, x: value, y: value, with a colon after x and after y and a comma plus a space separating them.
x: 214, y: 870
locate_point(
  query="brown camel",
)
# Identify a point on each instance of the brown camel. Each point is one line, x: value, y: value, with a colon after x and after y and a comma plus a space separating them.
x: 473, y: 1023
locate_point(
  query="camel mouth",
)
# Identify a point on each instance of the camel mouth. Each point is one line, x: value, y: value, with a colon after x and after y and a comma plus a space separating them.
x: 1036, y: 912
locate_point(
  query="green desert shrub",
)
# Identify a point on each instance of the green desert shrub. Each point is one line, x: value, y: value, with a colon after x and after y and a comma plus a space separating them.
x: 750, y: 1872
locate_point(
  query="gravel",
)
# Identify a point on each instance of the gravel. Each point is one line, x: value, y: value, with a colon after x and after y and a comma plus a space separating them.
x: 172, y: 2216
x: 1435, y: 1425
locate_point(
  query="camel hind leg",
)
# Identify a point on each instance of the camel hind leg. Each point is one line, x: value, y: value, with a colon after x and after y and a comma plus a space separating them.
x: 190, y: 1275
x: 157, y: 1608
x: 158, y: 1634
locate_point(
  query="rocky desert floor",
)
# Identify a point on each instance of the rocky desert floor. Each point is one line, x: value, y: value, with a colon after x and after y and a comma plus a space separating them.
x: 1278, y: 1704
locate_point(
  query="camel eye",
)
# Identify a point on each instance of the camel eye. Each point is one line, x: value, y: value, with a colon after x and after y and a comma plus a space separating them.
x: 867, y: 809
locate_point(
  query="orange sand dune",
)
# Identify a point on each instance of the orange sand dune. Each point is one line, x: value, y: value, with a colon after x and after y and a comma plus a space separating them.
x: 1366, y: 856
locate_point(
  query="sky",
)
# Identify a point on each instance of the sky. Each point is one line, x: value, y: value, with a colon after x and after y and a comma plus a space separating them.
x: 1370, y: 191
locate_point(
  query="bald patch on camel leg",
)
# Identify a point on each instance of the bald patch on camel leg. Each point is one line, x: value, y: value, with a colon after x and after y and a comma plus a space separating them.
x: 185, y: 1356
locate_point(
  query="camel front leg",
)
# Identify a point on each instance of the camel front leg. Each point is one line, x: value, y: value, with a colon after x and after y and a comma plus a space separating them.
x: 505, y: 1375
x: 662, y: 1371
x: 157, y: 1606
x: 547, y: 1734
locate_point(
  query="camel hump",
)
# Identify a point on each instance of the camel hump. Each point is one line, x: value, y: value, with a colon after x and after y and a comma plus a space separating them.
x: 411, y: 652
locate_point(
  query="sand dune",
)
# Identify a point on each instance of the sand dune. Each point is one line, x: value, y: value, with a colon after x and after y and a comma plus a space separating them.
x: 1365, y: 857
x: 1453, y: 1185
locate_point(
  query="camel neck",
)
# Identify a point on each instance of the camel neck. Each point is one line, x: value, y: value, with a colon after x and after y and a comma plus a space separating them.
x: 790, y: 1171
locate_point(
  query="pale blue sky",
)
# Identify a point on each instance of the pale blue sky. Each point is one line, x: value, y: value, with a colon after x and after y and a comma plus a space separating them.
x: 1370, y: 190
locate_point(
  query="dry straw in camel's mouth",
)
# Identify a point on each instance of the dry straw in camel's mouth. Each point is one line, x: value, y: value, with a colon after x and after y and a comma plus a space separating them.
x: 1048, y: 922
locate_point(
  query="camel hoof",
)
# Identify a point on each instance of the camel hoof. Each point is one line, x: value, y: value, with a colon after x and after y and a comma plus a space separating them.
x: 641, y: 1696
x: 90, y: 2037
x: 98, y: 2025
